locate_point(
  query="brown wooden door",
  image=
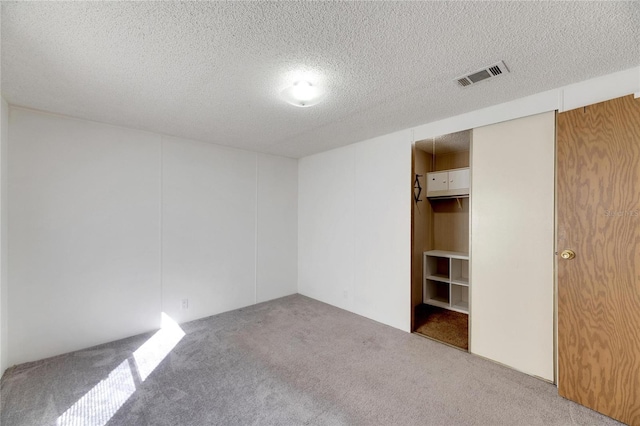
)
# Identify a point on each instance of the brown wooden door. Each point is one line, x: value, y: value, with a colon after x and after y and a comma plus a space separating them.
x: 598, y: 217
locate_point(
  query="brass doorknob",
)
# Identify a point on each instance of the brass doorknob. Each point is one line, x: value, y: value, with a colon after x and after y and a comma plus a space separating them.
x: 568, y: 254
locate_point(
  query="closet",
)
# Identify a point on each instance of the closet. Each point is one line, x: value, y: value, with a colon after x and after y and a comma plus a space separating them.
x: 440, y: 252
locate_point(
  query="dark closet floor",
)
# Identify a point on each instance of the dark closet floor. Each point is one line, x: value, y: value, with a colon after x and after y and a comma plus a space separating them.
x: 444, y: 325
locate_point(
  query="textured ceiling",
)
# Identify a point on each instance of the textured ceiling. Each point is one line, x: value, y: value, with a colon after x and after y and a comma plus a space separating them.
x: 445, y: 144
x: 213, y: 71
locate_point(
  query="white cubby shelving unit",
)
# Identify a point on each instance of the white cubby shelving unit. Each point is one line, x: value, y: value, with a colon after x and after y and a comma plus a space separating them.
x: 446, y: 280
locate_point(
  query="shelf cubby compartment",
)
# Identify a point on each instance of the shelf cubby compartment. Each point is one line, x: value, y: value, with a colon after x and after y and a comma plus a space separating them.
x: 459, y: 298
x: 460, y: 271
x: 446, y: 280
x: 437, y: 269
x: 437, y: 293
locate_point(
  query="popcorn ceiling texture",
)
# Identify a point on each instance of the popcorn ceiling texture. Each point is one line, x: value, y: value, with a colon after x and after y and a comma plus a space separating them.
x: 453, y: 142
x: 212, y: 71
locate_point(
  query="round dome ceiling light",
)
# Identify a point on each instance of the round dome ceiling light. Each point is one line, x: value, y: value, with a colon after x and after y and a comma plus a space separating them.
x: 302, y: 94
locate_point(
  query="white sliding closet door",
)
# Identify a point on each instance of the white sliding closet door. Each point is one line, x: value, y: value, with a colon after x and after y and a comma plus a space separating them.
x: 512, y: 243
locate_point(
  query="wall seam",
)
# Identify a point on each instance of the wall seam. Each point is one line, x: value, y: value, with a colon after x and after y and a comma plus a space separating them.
x: 161, y: 234
x: 255, y: 253
x: 351, y: 299
x: 4, y: 271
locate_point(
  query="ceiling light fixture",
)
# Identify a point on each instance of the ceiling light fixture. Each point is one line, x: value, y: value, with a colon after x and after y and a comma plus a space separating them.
x: 302, y: 94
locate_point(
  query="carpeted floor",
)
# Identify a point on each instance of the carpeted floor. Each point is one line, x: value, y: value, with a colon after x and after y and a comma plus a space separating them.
x: 444, y: 325
x: 291, y: 361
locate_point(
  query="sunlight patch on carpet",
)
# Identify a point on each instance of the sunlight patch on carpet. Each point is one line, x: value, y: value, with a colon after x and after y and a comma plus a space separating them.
x: 99, y: 405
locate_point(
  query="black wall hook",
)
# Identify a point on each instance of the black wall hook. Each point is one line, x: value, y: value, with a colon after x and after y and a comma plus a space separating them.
x: 418, y: 187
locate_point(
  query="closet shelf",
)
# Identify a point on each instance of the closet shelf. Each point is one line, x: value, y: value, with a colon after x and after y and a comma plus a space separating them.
x: 462, y: 307
x: 446, y: 280
x: 439, y: 277
x: 449, y: 254
x: 438, y: 301
x: 460, y: 281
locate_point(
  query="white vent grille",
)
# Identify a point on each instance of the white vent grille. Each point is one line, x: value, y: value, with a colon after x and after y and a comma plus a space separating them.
x: 483, y: 74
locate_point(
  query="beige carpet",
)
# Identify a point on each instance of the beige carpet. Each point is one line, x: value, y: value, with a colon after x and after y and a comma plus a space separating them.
x: 444, y: 325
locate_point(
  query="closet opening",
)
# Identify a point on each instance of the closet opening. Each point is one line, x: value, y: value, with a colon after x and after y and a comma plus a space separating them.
x: 440, y: 239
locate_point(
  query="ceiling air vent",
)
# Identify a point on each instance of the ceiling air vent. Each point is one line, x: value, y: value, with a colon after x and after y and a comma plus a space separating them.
x: 483, y: 74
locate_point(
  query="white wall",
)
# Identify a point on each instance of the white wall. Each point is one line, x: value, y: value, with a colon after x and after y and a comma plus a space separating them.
x: 277, y: 222
x: 382, y: 232
x: 208, y: 228
x: 111, y: 226
x: 229, y: 227
x: 84, y: 261
x: 326, y: 226
x: 512, y: 243
x: 4, y: 174
x: 354, y: 233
